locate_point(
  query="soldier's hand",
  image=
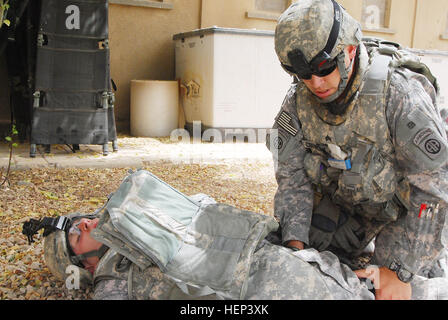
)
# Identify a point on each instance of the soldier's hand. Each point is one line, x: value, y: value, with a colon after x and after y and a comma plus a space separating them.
x: 320, y: 239
x: 295, y: 244
x: 347, y: 236
x: 324, y: 223
x: 387, y: 285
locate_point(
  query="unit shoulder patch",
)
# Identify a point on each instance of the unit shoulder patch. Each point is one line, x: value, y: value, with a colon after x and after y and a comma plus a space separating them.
x: 428, y: 142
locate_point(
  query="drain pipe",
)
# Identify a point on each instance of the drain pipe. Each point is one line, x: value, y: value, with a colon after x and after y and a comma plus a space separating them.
x: 414, y: 23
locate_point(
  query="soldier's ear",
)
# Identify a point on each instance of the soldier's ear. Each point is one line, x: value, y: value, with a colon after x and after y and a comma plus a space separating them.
x: 89, y: 266
x: 351, y: 51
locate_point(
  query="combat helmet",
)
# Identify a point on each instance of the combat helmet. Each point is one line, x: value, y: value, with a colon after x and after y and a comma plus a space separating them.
x: 58, y: 254
x: 310, y: 38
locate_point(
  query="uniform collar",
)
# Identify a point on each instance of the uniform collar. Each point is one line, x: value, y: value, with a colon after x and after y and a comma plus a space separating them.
x: 348, y: 102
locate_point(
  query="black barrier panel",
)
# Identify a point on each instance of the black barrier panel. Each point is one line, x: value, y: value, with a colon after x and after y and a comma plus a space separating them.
x: 64, y: 42
x: 112, y: 132
x: 57, y: 100
x: 80, y: 70
x: 73, y: 102
x: 69, y: 127
x: 78, y: 18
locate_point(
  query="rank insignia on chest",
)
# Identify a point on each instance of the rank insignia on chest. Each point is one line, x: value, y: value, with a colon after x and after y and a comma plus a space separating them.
x: 339, y: 159
x: 340, y: 164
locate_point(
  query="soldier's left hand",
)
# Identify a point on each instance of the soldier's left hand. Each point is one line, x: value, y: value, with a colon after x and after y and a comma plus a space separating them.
x: 387, y: 285
x: 347, y: 236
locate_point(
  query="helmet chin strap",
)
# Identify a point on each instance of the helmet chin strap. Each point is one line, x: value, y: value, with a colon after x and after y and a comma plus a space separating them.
x: 343, y: 71
x: 94, y: 253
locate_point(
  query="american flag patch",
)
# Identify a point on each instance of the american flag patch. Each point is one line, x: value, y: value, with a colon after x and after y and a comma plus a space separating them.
x: 284, y: 121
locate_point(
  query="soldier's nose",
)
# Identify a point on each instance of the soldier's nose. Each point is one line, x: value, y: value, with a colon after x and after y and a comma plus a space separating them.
x: 316, y: 81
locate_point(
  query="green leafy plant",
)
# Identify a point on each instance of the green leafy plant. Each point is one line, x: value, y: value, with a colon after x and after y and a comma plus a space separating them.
x: 4, y: 6
x: 14, y: 132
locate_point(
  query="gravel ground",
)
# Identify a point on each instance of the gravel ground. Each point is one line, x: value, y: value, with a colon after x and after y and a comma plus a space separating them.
x: 39, y: 192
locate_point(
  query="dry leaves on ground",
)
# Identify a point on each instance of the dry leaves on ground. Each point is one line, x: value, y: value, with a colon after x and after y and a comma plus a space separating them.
x: 36, y: 193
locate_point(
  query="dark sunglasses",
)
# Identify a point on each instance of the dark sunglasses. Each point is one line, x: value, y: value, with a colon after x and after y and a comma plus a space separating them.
x: 320, y: 66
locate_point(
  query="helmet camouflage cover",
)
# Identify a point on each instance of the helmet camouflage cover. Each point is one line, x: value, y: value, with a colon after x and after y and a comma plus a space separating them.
x: 306, y: 26
x: 57, y: 255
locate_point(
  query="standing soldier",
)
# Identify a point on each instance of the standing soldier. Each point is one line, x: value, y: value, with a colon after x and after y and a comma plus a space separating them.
x: 361, y: 151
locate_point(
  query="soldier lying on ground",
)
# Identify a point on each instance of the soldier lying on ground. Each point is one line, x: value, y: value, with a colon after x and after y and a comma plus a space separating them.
x: 150, y: 241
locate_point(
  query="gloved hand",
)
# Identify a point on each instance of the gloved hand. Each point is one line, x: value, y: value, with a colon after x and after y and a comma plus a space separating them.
x: 324, y: 223
x: 348, y: 234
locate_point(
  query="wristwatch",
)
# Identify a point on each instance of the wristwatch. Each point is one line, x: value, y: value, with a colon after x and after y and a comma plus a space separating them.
x: 402, y: 274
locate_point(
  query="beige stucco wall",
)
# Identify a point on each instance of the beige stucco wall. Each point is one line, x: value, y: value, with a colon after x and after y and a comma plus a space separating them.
x: 233, y: 14
x: 142, y: 48
x: 431, y: 23
x: 413, y: 23
x: 401, y: 20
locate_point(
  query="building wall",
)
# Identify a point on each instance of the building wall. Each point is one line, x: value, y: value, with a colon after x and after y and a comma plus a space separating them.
x: 236, y: 14
x: 413, y: 23
x: 431, y: 25
x: 141, y: 33
x: 142, y: 48
x: 401, y: 20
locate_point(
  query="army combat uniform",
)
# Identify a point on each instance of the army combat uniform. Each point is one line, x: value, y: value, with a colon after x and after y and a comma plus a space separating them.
x: 165, y: 245
x: 382, y: 161
x: 276, y: 273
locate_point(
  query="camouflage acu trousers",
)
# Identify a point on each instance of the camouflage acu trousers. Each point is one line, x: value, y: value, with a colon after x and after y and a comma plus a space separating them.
x: 276, y: 273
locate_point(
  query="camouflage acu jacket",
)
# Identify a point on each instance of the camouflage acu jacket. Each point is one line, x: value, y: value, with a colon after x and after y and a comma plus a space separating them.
x: 414, y: 147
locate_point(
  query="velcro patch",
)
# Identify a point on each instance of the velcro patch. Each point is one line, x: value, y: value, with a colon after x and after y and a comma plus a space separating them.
x: 284, y: 121
x: 278, y: 142
x: 427, y: 141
